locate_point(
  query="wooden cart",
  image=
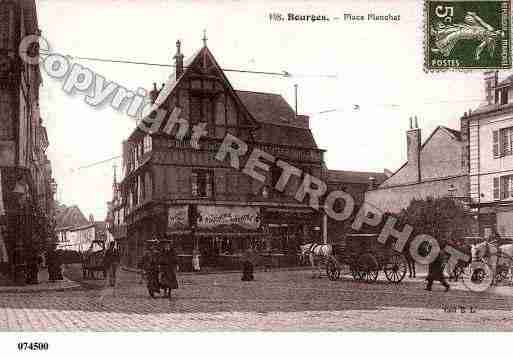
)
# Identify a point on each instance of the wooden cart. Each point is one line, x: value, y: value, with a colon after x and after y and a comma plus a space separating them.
x: 366, y: 257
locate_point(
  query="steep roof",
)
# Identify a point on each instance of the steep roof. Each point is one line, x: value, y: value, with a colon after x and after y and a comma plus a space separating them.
x: 277, y: 120
x: 269, y: 108
x: 452, y: 132
x: 355, y: 176
x: 455, y: 133
x: 69, y: 217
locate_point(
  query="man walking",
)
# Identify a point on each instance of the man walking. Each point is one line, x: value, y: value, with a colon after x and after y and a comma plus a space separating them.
x: 436, y: 272
x: 111, y: 263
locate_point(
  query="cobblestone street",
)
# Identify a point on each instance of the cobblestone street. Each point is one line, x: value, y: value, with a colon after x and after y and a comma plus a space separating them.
x: 284, y: 300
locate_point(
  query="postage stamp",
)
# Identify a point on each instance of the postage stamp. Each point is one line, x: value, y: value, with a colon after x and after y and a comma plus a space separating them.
x: 467, y: 35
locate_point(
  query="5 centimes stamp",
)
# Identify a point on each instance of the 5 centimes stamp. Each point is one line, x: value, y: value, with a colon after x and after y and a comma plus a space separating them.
x: 466, y: 35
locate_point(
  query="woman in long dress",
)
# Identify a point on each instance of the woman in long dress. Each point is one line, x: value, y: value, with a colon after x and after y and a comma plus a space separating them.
x: 169, y: 263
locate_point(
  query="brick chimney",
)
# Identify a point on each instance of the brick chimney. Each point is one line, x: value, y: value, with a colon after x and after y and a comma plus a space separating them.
x: 413, y: 137
x: 178, y: 60
x: 491, y: 79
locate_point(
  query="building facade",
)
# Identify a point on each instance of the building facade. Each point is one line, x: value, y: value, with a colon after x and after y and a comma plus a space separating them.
x: 26, y: 201
x: 434, y: 168
x: 175, y: 189
x: 355, y: 183
x: 489, y: 155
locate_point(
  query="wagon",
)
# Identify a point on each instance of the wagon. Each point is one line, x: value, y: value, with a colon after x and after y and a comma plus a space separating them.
x: 92, y: 260
x: 366, y: 257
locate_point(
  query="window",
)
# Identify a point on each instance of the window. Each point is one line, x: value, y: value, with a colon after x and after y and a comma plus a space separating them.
x: 147, y: 144
x: 503, y: 142
x: 503, y: 187
x: 202, y: 183
x: 504, y: 96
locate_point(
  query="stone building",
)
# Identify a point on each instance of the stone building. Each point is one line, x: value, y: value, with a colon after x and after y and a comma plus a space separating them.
x: 489, y: 155
x: 27, y: 188
x: 434, y: 168
x: 173, y: 189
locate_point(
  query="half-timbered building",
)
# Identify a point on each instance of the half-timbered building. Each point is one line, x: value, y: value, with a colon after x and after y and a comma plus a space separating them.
x: 173, y: 189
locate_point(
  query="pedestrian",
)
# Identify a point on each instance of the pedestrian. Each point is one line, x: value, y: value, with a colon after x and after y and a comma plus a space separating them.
x: 169, y: 263
x: 247, y: 266
x: 196, y: 260
x: 110, y: 264
x: 436, y: 272
x: 144, y: 264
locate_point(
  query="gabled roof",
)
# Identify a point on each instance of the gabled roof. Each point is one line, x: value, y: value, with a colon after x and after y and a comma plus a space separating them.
x: 355, y: 177
x: 173, y: 82
x: 69, y: 217
x: 451, y: 132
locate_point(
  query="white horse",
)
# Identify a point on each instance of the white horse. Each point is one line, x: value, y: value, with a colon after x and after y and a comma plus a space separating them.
x: 493, y: 257
x: 316, y: 252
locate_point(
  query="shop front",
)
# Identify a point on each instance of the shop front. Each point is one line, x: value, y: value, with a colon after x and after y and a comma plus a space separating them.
x: 223, y: 233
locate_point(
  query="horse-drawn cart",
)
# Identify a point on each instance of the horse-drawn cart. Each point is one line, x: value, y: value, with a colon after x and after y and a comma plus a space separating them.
x: 92, y: 260
x: 366, y: 257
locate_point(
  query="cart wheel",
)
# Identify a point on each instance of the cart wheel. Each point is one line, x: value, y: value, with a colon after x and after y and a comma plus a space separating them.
x: 501, y: 273
x: 368, y: 267
x: 332, y: 271
x: 396, y: 267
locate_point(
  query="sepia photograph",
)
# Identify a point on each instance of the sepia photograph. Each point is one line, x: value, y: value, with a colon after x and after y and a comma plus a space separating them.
x: 312, y: 168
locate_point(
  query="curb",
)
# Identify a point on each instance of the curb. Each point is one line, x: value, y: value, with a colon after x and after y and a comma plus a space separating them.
x: 283, y: 269
x: 72, y: 286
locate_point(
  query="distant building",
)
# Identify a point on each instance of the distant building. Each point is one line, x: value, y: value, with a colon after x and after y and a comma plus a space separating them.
x: 67, y: 220
x: 356, y: 183
x: 434, y: 169
x: 489, y: 155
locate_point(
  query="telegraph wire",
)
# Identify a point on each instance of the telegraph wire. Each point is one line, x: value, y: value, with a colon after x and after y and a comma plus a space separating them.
x: 284, y: 73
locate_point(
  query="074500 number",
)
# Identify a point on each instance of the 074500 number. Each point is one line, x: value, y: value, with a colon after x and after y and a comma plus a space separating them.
x: 32, y: 346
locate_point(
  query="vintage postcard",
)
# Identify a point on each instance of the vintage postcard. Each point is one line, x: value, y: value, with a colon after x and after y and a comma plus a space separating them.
x: 468, y: 35
x: 298, y: 166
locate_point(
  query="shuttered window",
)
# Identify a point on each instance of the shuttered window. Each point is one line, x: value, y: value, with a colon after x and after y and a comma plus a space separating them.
x: 505, y: 186
x: 496, y: 188
x: 495, y: 143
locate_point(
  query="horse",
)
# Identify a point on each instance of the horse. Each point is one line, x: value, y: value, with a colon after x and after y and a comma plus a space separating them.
x: 494, y: 257
x: 314, y: 251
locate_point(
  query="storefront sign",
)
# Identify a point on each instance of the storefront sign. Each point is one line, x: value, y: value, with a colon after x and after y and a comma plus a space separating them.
x: 216, y: 216
x: 178, y: 217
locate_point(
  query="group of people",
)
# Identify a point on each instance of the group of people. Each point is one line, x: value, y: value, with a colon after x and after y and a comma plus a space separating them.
x: 160, y: 266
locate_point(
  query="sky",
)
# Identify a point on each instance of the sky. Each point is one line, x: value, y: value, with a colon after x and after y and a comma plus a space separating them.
x: 378, y: 66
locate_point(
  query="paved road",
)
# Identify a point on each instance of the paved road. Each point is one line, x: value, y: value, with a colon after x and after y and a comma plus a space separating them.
x: 275, y: 300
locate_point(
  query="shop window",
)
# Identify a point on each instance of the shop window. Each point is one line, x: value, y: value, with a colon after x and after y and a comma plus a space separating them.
x: 202, y: 183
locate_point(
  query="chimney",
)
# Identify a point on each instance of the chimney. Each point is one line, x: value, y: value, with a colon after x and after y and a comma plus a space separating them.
x: 91, y: 218
x: 413, y: 137
x: 491, y: 79
x: 178, y: 60
x: 154, y: 93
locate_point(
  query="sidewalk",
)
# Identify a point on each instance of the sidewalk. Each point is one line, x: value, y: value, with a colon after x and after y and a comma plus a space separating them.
x: 43, y: 286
